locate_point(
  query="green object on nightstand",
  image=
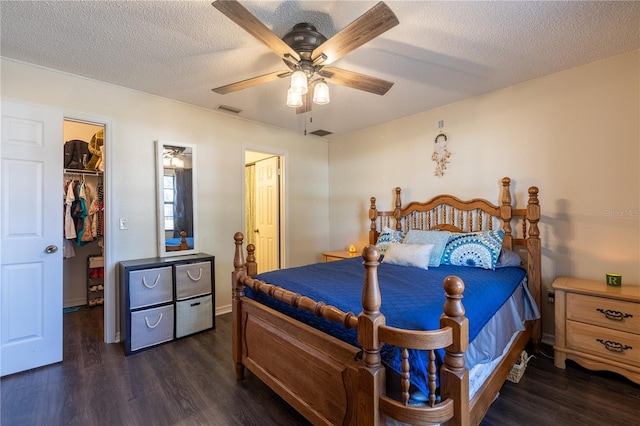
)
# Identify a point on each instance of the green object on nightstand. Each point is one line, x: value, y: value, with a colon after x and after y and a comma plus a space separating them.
x: 614, y: 280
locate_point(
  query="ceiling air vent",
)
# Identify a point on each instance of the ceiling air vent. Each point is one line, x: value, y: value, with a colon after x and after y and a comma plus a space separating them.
x: 228, y: 108
x: 321, y: 132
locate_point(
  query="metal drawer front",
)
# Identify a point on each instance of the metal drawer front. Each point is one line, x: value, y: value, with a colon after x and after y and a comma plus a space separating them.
x: 151, y: 326
x: 193, y: 279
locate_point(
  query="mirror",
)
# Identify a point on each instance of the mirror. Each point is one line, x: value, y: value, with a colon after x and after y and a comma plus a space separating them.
x: 176, y: 197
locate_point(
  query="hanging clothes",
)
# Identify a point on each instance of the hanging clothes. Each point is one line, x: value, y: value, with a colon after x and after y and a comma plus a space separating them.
x: 82, y: 214
x: 69, y: 225
x: 100, y: 214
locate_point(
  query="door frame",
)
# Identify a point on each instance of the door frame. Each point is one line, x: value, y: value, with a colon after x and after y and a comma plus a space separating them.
x: 111, y: 331
x: 284, y: 196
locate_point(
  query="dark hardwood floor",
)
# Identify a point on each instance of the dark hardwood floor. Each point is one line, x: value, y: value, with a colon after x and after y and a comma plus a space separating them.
x: 192, y: 382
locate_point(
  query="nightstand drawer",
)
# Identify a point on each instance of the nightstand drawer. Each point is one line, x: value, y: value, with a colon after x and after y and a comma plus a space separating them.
x: 193, y: 279
x: 607, y: 343
x: 150, y: 287
x: 614, y: 314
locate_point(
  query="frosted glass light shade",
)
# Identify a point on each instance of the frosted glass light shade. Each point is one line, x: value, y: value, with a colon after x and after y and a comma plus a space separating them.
x: 299, y: 82
x: 321, y: 93
x: 294, y: 99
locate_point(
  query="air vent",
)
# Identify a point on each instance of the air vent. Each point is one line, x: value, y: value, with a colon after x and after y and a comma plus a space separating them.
x: 321, y: 132
x: 228, y: 108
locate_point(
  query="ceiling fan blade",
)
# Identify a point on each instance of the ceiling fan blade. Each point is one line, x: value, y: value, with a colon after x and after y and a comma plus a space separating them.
x: 245, y: 19
x: 368, y: 26
x: 307, y: 101
x: 355, y: 80
x: 250, y: 82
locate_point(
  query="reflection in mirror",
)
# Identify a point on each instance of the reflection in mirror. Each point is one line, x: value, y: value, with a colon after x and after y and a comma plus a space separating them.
x: 176, y: 178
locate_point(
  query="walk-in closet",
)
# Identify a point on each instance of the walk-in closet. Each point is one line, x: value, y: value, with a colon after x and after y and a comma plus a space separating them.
x: 83, y: 202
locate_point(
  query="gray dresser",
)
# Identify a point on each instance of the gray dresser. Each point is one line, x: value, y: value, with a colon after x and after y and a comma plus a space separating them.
x: 165, y: 298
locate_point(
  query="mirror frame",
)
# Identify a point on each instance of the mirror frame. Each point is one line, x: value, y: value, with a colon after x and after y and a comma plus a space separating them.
x: 162, y: 252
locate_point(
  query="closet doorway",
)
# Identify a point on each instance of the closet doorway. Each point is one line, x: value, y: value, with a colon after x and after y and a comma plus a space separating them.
x: 84, y: 283
x: 265, y: 207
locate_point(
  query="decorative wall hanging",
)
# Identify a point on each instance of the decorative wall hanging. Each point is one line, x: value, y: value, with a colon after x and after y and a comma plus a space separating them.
x: 440, y: 154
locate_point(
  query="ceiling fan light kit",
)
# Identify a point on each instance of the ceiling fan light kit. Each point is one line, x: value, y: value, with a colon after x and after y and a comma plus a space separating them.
x: 306, y: 52
x: 321, y: 93
x: 299, y: 82
x: 294, y: 99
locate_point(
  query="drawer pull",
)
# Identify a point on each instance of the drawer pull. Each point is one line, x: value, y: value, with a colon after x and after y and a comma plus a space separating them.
x: 614, y: 315
x: 614, y: 346
x: 195, y: 304
x: 146, y: 320
x: 193, y: 278
x: 155, y: 282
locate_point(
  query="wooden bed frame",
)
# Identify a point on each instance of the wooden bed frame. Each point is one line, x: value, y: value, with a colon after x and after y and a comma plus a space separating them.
x: 183, y: 243
x: 331, y: 382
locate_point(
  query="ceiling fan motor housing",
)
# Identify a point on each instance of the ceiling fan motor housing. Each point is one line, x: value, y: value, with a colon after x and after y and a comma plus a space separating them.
x: 304, y: 38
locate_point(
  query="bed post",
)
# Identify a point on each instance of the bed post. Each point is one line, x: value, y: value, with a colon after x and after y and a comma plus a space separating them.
x: 373, y: 215
x: 506, y: 213
x: 534, y: 254
x: 397, y: 212
x: 454, y: 376
x: 236, y: 304
x: 372, y: 373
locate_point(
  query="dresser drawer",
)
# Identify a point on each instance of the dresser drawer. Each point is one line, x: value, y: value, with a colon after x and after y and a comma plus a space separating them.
x: 193, y: 279
x: 615, y: 314
x: 150, y: 287
x: 151, y: 326
x: 193, y: 315
x: 611, y: 344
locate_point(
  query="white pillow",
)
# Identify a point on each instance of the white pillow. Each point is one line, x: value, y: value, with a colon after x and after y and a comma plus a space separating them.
x: 408, y: 254
x: 439, y: 240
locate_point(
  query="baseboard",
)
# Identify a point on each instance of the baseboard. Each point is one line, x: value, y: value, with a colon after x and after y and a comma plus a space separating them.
x: 548, y: 339
x: 74, y: 302
x: 221, y: 310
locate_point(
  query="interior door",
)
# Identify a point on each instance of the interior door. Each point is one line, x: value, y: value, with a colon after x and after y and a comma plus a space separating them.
x: 30, y: 249
x: 267, y: 214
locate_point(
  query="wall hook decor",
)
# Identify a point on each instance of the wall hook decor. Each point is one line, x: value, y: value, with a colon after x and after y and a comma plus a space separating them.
x: 440, y: 154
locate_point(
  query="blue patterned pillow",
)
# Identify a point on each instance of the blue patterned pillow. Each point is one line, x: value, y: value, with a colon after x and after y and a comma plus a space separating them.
x: 437, y: 238
x: 474, y: 249
x: 387, y: 236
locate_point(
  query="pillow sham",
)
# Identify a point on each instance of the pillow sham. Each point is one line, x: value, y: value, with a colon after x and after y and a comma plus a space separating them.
x: 474, y: 249
x: 437, y: 238
x: 387, y: 236
x: 508, y: 258
x: 408, y: 255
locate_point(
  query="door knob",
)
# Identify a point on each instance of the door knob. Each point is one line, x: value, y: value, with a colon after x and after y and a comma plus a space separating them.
x: 256, y: 230
x: 51, y: 249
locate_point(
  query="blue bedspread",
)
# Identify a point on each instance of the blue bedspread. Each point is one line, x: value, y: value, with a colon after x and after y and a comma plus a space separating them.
x: 412, y: 298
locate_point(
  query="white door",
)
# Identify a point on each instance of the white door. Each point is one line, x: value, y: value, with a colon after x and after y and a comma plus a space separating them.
x: 267, y: 214
x: 31, y: 240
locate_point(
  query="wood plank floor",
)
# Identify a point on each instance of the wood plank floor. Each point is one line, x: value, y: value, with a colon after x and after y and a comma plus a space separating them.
x: 192, y: 382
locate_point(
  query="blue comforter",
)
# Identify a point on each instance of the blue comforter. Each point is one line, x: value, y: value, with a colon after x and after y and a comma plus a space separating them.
x: 412, y: 298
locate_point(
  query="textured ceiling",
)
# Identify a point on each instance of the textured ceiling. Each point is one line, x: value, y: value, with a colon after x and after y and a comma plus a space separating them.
x: 441, y: 52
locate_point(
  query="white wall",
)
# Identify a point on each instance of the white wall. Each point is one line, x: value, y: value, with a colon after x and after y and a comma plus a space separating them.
x: 139, y: 119
x: 574, y: 134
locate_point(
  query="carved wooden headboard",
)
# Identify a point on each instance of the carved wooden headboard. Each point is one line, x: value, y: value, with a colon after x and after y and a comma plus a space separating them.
x: 449, y: 213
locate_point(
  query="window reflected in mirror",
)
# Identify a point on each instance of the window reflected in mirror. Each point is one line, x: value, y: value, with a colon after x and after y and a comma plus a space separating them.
x: 176, y: 199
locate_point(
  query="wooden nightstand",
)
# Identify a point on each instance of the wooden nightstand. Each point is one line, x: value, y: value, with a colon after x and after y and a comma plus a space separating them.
x: 330, y: 256
x: 598, y: 326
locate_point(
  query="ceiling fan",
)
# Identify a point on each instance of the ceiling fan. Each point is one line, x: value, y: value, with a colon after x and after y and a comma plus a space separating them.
x: 307, y: 52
